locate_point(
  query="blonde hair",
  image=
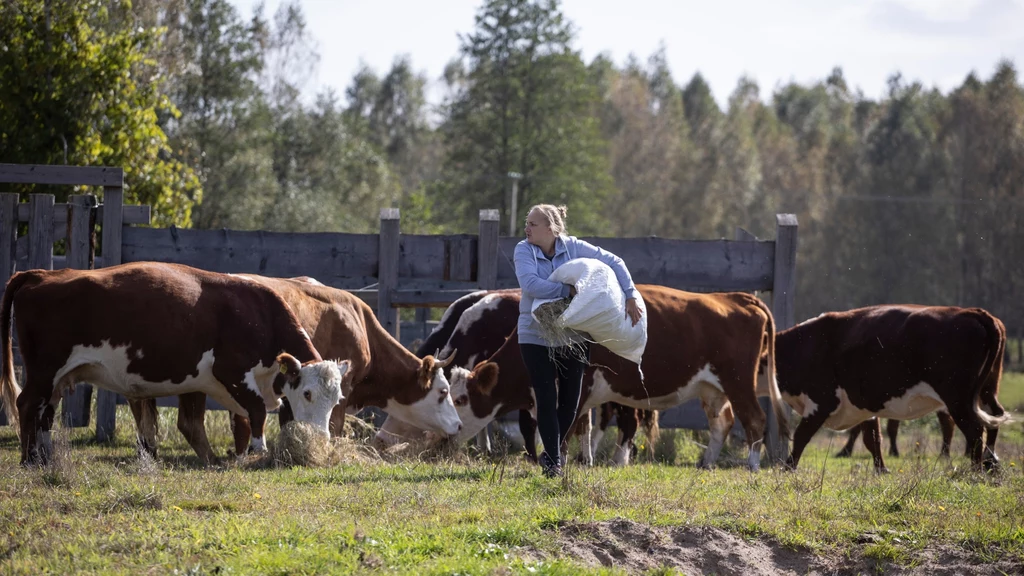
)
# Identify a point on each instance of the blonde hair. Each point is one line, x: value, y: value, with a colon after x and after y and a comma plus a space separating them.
x: 555, y: 216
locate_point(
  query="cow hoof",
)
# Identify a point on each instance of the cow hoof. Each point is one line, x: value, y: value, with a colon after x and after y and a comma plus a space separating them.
x: 881, y: 470
x: 844, y: 453
x: 702, y: 465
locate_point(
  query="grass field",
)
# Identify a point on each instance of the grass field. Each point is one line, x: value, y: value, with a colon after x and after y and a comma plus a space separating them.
x: 102, y: 509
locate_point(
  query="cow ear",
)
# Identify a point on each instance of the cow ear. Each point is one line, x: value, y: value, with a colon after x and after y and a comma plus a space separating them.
x: 426, y: 375
x: 290, y: 368
x: 486, y: 377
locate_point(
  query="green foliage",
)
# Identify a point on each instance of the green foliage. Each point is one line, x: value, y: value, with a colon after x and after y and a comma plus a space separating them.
x: 523, y: 103
x: 80, y: 88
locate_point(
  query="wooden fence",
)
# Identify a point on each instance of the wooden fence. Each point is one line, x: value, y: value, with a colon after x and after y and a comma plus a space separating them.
x: 388, y: 270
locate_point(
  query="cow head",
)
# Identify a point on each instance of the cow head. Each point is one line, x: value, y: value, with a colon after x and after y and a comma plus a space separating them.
x: 473, y: 401
x: 313, y: 389
x: 434, y: 411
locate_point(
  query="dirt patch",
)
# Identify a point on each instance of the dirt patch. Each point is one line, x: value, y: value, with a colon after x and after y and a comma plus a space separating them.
x: 637, y: 548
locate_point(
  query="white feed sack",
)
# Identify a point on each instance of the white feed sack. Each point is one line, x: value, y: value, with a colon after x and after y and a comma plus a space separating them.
x: 598, y: 309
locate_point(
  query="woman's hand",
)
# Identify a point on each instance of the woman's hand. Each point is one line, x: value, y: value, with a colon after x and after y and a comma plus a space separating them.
x: 633, y: 311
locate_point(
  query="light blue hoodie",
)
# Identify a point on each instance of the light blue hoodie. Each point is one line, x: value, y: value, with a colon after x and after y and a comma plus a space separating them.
x: 533, y: 268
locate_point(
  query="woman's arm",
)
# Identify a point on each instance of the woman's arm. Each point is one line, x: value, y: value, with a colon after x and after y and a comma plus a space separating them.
x: 530, y: 282
x: 588, y: 250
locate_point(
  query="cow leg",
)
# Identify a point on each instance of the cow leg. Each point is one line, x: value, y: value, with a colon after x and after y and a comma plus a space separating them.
x: 720, y: 420
x: 285, y: 414
x: 627, y: 419
x: 808, y: 426
x: 250, y: 401
x: 851, y: 441
x: 892, y: 428
x: 948, y: 426
x: 146, y: 424
x: 973, y: 429
x: 528, y: 428
x: 872, y: 430
x: 241, y: 432
x: 483, y: 439
x: 584, y: 428
x: 36, y: 412
x: 192, y: 425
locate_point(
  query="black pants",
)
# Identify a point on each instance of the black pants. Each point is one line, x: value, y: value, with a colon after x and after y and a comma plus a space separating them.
x: 556, y: 405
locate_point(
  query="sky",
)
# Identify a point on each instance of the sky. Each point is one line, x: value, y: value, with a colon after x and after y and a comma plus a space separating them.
x: 936, y: 42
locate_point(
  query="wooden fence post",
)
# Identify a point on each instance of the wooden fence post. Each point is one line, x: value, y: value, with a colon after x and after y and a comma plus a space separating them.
x: 783, y: 308
x: 487, y: 250
x: 76, y: 405
x: 387, y: 262
x: 8, y: 256
x: 40, y: 232
x: 113, y: 210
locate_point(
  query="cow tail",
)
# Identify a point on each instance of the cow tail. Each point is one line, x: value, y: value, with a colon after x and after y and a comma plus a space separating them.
x: 649, y: 420
x: 987, y: 386
x: 773, y: 384
x: 9, y: 389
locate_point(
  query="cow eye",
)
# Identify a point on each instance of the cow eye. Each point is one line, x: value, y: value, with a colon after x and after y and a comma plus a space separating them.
x: 461, y: 400
x: 308, y: 396
x: 444, y: 392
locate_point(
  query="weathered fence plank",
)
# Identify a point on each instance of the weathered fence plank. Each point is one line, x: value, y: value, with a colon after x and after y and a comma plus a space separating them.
x: 387, y: 274
x: 40, y: 232
x: 8, y: 237
x: 75, y: 406
x: 697, y: 265
x: 112, y: 216
x: 784, y: 311
x: 487, y: 250
x: 72, y: 175
x: 132, y: 214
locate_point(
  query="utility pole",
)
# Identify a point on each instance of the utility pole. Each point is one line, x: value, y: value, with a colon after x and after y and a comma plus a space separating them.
x: 515, y: 176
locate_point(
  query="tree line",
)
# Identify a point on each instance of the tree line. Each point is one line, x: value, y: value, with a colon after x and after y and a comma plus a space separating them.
x: 912, y: 197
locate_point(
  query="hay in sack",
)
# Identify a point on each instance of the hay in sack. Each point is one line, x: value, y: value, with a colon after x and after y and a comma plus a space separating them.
x: 598, y: 310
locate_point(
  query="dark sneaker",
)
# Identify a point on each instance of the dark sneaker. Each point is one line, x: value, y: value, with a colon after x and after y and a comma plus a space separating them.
x: 551, y: 467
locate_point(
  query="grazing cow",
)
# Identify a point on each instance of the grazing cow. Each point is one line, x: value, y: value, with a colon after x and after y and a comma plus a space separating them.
x: 383, y: 373
x: 705, y: 346
x: 152, y: 329
x: 476, y: 326
x: 899, y: 362
x: 892, y: 428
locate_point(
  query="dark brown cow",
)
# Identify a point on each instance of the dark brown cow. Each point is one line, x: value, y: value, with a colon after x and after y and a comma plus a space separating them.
x: 152, y: 329
x: 383, y: 373
x: 705, y: 346
x: 892, y: 428
x: 899, y: 362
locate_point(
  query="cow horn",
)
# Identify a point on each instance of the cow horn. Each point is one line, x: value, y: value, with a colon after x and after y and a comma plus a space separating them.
x: 447, y: 361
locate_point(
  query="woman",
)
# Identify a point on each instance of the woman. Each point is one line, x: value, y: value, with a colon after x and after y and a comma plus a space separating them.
x: 547, y: 247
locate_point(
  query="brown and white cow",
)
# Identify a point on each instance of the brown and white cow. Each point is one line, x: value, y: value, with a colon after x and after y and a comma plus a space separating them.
x: 476, y: 326
x: 900, y: 362
x: 152, y: 329
x: 383, y: 373
x: 705, y: 346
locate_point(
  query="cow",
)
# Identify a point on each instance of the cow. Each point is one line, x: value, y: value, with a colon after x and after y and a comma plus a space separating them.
x: 900, y: 362
x: 152, y: 329
x: 705, y: 346
x: 476, y: 326
x: 892, y: 428
x: 382, y: 374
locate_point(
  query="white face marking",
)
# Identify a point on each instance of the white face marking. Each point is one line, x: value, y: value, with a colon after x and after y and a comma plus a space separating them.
x: 106, y: 367
x: 318, y: 392
x: 471, y: 424
x: 435, y: 411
